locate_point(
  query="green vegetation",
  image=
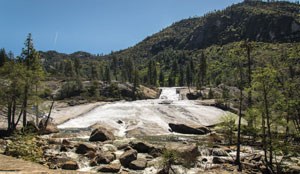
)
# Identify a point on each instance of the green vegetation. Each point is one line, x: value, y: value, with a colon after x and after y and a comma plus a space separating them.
x: 25, y: 146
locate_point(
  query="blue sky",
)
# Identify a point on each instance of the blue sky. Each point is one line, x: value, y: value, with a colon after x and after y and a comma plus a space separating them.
x: 95, y: 26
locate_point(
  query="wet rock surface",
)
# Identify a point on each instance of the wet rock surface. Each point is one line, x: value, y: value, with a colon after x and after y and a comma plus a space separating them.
x: 101, y: 134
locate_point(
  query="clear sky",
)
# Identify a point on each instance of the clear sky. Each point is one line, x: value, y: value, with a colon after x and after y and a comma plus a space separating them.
x: 95, y: 26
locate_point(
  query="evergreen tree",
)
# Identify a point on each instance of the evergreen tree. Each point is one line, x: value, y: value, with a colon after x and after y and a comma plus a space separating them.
x: 107, y: 74
x: 114, y: 67
x: 3, y: 57
x: 94, y: 71
x: 181, y: 80
x: 202, y: 69
x: 161, y: 78
x: 35, y: 73
x: 77, y: 66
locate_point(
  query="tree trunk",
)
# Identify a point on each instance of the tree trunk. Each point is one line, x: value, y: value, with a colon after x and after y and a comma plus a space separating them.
x: 25, y: 103
x: 264, y: 137
x: 238, y: 160
x: 46, y: 123
x: 9, y: 116
x: 268, y: 127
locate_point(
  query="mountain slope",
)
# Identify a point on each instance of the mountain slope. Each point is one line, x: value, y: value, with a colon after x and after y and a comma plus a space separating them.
x: 255, y: 21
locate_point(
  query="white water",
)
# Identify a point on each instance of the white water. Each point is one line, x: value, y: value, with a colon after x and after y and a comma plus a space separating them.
x: 148, y: 116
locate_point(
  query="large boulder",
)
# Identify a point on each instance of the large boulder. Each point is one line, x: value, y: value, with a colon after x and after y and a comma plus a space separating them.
x: 110, y: 168
x: 143, y: 147
x: 84, y: 148
x: 127, y: 157
x: 188, y: 129
x: 70, y: 165
x: 47, y: 127
x: 101, y: 134
x: 139, y: 164
x: 188, y: 153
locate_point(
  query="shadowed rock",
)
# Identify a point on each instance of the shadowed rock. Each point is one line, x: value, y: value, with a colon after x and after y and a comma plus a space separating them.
x: 127, y: 157
x: 139, y: 164
x: 187, y: 129
x: 110, y: 168
x: 101, y: 134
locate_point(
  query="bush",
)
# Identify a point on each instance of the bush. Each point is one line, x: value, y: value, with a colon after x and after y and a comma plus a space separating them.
x: 26, y: 147
x: 228, y: 126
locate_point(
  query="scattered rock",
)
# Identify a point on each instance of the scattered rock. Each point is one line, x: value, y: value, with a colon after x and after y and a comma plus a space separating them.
x: 101, y: 134
x: 83, y: 148
x: 194, y: 95
x: 222, y: 160
x: 63, y: 148
x: 70, y: 165
x: 219, y: 152
x: 3, y: 144
x: 47, y: 129
x: 105, y: 157
x: 66, y: 142
x: 91, y: 154
x: 188, y: 129
x: 111, y: 168
x: 187, y: 149
x: 188, y: 152
x: 256, y: 157
x: 143, y: 147
x: 139, y: 164
x: 109, y: 147
x: 119, y: 121
x: 127, y: 157
x: 293, y: 169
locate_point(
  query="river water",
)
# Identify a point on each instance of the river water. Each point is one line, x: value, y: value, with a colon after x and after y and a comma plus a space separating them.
x: 148, y: 117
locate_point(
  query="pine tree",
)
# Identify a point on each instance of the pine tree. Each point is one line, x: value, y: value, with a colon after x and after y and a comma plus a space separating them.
x: 202, y: 69
x: 107, y: 74
x: 181, y: 79
x: 3, y: 57
x: 114, y: 67
x: 161, y: 78
x: 35, y: 72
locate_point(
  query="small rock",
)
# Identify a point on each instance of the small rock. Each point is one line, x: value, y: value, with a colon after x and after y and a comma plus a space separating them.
x: 219, y: 152
x: 127, y: 157
x: 139, y: 164
x: 222, y: 160
x: 70, y: 165
x: 66, y: 142
x: 63, y: 148
x: 105, y: 157
x: 101, y: 134
x: 91, y: 154
x: 83, y: 148
x: 109, y: 147
x: 111, y: 168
